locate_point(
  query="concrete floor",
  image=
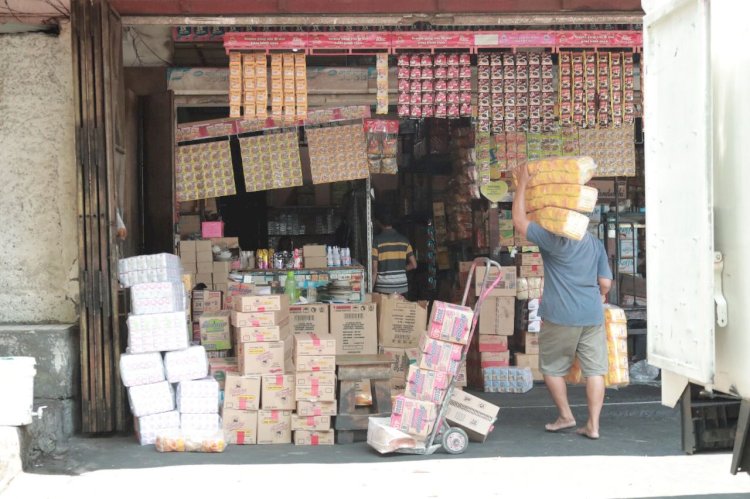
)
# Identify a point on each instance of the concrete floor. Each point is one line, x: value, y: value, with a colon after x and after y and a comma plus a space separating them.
x: 638, y: 455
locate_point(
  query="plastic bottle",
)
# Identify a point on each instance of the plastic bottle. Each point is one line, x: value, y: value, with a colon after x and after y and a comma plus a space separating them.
x: 336, y: 257
x: 348, y: 258
x: 329, y: 256
x: 290, y: 287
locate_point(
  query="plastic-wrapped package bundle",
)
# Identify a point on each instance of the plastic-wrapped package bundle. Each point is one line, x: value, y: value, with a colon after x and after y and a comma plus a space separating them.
x: 508, y: 379
x: 150, y: 268
x: 190, y: 441
x: 200, y: 422
x: 157, y: 332
x: 157, y: 297
x: 569, y: 196
x: 529, y: 288
x: 141, y: 368
x: 186, y: 365
x: 561, y: 170
x: 200, y: 396
x: 422, y: 384
x: 616, y: 325
x: 147, y: 427
x: 150, y: 399
x: 565, y: 223
x: 415, y: 417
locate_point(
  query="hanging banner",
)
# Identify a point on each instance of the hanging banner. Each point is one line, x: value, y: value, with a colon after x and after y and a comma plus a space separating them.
x: 271, y: 161
x: 266, y: 40
x: 204, y: 171
x: 432, y: 39
x: 337, y: 153
x: 350, y: 40
x: 599, y: 39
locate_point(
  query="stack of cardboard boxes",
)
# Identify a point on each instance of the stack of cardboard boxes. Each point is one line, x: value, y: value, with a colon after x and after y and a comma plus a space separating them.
x: 262, y: 334
x: 315, y: 388
x: 315, y: 256
x: 527, y: 336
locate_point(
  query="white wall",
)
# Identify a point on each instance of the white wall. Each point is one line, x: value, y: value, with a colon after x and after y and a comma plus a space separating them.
x: 38, y: 234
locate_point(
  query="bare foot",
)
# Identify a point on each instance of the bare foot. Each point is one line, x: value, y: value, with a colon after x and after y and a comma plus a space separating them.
x: 560, y: 424
x: 588, y: 433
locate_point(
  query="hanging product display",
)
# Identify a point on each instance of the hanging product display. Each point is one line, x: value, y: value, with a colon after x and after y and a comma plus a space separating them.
x: 337, y: 153
x: 255, y: 83
x: 437, y: 87
x: 271, y: 161
x: 462, y: 187
x: 235, y: 84
x: 381, y: 67
x: 484, y: 144
x: 510, y: 152
x: 611, y: 148
x: 300, y: 86
x: 382, y: 145
x: 204, y: 171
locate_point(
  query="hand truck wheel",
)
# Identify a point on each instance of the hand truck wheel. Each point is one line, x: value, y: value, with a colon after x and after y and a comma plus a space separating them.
x: 455, y: 441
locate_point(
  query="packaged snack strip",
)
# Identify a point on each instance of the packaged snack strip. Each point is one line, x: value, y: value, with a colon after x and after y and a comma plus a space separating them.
x: 562, y: 222
x: 570, y: 196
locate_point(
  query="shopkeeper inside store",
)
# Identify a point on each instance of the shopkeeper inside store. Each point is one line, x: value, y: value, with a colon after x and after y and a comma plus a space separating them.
x: 392, y: 256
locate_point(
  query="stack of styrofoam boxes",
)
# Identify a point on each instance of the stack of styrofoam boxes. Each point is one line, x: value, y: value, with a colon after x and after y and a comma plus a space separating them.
x: 161, y: 267
x: 441, y: 356
x: 315, y: 388
x: 530, y: 325
x: 264, y: 348
x: 197, y: 394
x: 496, y: 324
x: 508, y: 379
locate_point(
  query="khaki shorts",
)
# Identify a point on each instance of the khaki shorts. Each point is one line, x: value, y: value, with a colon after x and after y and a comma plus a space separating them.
x: 559, y: 345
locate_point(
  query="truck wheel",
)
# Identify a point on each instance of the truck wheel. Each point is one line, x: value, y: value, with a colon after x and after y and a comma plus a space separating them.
x: 455, y: 441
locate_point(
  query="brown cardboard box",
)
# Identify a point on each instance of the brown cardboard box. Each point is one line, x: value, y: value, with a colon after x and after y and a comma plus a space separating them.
x: 400, y: 360
x: 314, y: 344
x: 314, y: 250
x: 215, y: 330
x: 493, y: 343
x: 236, y: 289
x: 260, y: 334
x: 187, y: 251
x: 355, y: 328
x: 476, y: 416
x: 222, y: 269
x: 495, y: 359
x: 522, y: 242
x: 400, y: 322
x: 269, y: 357
x: 259, y: 319
x: 242, y: 393
x: 531, y: 270
x: 240, y: 427
x: 220, y: 368
x: 319, y: 386
x: 531, y: 361
x: 530, y: 259
x: 309, y: 408
x: 205, y: 268
x: 305, y: 363
x: 274, y: 427
x: 532, y: 343
x: 207, y: 279
x: 204, y: 252
x: 278, y: 392
x: 190, y: 267
x: 311, y: 423
x: 497, y: 315
x: 506, y: 287
x: 256, y: 303
x: 309, y: 318
x: 304, y: 437
x: 316, y: 262
x: 189, y: 225
x: 507, y: 233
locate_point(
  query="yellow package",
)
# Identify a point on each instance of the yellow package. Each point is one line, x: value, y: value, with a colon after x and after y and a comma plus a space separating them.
x: 614, y: 314
x: 569, y: 196
x: 562, y: 222
x: 300, y: 60
x: 561, y: 170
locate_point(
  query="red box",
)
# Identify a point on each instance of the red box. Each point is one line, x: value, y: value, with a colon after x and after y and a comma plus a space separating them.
x: 495, y: 359
x: 493, y: 343
x: 212, y: 229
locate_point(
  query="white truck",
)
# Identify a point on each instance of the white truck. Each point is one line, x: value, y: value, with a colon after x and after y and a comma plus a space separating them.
x: 697, y: 128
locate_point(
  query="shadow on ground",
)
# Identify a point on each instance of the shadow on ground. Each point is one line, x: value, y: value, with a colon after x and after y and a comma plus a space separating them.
x: 634, y: 423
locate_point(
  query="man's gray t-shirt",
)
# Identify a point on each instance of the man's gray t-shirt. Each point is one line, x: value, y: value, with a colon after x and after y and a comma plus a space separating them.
x: 571, y: 271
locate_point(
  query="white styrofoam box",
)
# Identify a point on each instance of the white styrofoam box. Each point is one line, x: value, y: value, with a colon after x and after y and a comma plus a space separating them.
x: 151, y: 399
x: 157, y: 332
x: 17, y: 393
x: 149, y: 262
x: 534, y: 304
x: 200, y: 422
x: 200, y: 396
x: 128, y: 279
x: 148, y: 427
x: 157, y: 297
x: 141, y: 368
x: 186, y: 365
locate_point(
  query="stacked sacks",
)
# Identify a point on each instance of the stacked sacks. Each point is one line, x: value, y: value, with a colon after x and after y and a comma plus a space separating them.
x: 555, y: 194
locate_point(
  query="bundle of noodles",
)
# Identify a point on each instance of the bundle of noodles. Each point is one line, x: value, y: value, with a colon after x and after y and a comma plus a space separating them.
x: 569, y: 196
x: 562, y: 222
x: 561, y: 170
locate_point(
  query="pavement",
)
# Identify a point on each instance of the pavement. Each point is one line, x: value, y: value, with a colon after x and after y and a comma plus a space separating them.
x: 638, y: 455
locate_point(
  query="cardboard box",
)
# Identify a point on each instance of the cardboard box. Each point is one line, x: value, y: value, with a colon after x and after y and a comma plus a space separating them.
x: 240, y: 427
x: 506, y: 287
x: 207, y: 279
x: 355, y: 328
x: 204, y: 251
x: 269, y: 357
x: 219, y: 368
x: 222, y: 268
x: 439, y: 355
x: 310, y: 408
x: 462, y: 378
x: 311, y: 423
x: 314, y: 250
x: 236, y: 289
x: 205, y: 268
x: 278, y: 392
x: 215, y: 331
x: 530, y: 259
x: 212, y: 229
x: 399, y: 358
x: 450, y: 322
x: 401, y: 322
x: 190, y: 268
x: 532, y: 343
x: 242, y: 393
x: 304, y: 437
x: 187, y: 251
x: 316, y: 262
x: 493, y: 343
x: 497, y: 315
x: 531, y: 361
x: 205, y: 302
x: 415, y: 417
x: 189, y: 225
x: 314, y: 344
x: 309, y: 318
x: 422, y: 384
x: 260, y: 334
x: 531, y: 270
x: 495, y: 359
x: 320, y: 386
x: 259, y: 319
x: 255, y: 303
x: 274, y: 427
x: 315, y: 363
x: 507, y: 233
x: 476, y: 416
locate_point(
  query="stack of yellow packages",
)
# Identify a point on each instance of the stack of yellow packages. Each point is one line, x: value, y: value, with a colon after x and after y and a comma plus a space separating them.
x: 616, y: 327
x: 555, y: 194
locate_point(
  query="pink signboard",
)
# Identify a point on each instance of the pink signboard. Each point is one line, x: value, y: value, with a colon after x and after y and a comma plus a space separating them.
x: 266, y: 41
x: 350, y: 40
